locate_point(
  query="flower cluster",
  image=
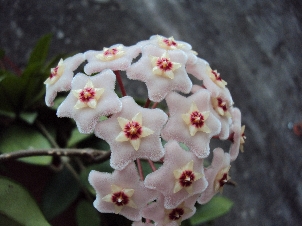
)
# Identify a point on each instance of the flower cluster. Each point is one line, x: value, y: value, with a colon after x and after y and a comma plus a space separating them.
x: 177, y: 138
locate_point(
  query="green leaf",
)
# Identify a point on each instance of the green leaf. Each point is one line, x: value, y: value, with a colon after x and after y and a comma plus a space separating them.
x: 28, y: 117
x: 27, y: 138
x: 76, y: 137
x: 2, y: 54
x: 18, y: 205
x: 215, y: 208
x: 40, y: 51
x: 103, y: 167
x: 86, y: 214
x: 61, y: 191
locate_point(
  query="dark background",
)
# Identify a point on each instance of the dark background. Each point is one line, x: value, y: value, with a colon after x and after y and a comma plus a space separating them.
x: 256, y: 46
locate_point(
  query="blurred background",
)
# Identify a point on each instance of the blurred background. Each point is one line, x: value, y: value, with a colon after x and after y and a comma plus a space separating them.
x: 255, y: 45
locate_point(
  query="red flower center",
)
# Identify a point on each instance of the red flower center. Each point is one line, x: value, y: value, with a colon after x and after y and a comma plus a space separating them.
x: 187, y: 178
x: 87, y: 94
x: 222, y: 104
x: 54, y: 72
x: 217, y: 76
x: 223, y: 180
x: 164, y: 64
x: 197, y: 119
x: 112, y: 51
x: 169, y: 42
x: 176, y: 214
x: 133, y: 130
x: 120, y: 198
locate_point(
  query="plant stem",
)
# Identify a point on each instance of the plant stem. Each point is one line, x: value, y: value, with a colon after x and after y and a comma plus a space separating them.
x: 140, y: 169
x: 147, y: 104
x: 92, y: 155
x: 120, y: 82
x: 152, y: 165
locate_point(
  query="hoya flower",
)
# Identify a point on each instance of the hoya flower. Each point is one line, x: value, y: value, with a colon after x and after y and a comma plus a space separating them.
x: 117, y: 57
x: 162, y: 72
x: 90, y: 98
x: 222, y: 106
x: 140, y: 223
x: 133, y: 133
x: 121, y: 192
x: 238, y: 136
x: 172, y: 44
x: 217, y: 174
x: 61, y: 76
x: 191, y: 121
x: 179, y: 177
x: 157, y: 212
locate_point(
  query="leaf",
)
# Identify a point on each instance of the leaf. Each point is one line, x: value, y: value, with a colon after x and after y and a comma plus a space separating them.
x: 61, y: 191
x: 2, y: 54
x: 29, y: 117
x: 86, y: 214
x: 18, y: 205
x: 76, y: 137
x: 215, y: 208
x: 40, y: 51
x: 27, y: 138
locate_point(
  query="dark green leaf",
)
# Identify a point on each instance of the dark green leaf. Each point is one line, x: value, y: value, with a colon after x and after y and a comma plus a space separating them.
x: 17, y: 205
x: 61, y: 191
x: 2, y: 54
x: 28, y: 138
x: 217, y: 207
x: 87, y: 215
x: 40, y: 51
x: 28, y: 117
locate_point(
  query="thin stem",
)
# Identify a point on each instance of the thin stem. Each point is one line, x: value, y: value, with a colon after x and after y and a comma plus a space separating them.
x: 120, y: 82
x: 147, y: 104
x: 154, y: 105
x: 47, y: 134
x: 140, y: 169
x: 92, y: 155
x: 152, y: 165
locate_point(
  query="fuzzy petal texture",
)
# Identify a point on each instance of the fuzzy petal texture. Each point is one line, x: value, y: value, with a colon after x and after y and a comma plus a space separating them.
x: 70, y: 64
x: 157, y: 212
x: 86, y: 118
x: 159, y: 86
x: 177, y: 129
x: 171, y: 44
x: 95, y: 64
x: 237, y: 137
x: 225, y: 120
x: 123, y: 152
x: 140, y: 223
x: 125, y: 179
x: 220, y: 161
x: 164, y: 180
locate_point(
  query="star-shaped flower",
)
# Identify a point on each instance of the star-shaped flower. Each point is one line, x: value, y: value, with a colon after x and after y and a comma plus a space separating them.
x: 171, y: 44
x: 196, y: 120
x: 178, y: 128
x: 88, y: 96
x: 132, y: 130
x: 149, y: 70
x: 91, y: 97
x: 61, y: 76
x: 179, y: 177
x: 134, y: 124
x: 121, y: 192
x: 157, y: 212
x: 238, y: 136
x: 117, y: 57
x: 217, y: 174
x: 163, y: 66
x: 210, y: 79
x: 222, y: 105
